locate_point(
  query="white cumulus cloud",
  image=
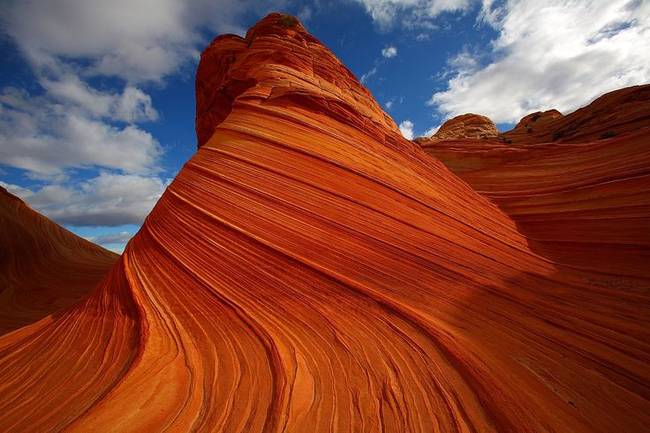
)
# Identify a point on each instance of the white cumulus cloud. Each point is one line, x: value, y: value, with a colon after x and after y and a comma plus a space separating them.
x: 138, y: 40
x: 132, y: 105
x: 550, y: 54
x: 406, y: 128
x: 46, y: 138
x: 106, y: 200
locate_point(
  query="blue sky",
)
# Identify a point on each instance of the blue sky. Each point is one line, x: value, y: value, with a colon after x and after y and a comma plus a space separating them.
x: 97, y: 97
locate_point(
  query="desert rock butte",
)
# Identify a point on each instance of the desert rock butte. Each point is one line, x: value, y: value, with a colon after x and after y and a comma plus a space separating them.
x: 311, y: 270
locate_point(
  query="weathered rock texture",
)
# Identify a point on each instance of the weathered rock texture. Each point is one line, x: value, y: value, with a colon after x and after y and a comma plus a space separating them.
x: 467, y: 126
x: 615, y: 113
x: 539, y: 125
x: 310, y: 270
x: 583, y: 203
x: 43, y: 267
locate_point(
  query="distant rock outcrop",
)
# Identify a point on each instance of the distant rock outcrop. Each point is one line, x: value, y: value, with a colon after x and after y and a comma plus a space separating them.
x: 578, y: 184
x: 464, y: 126
x: 533, y: 124
x: 538, y: 118
x: 614, y: 113
x: 467, y: 126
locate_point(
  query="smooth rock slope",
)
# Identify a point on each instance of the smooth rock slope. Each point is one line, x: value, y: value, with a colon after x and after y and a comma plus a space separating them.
x: 310, y: 270
x: 43, y: 267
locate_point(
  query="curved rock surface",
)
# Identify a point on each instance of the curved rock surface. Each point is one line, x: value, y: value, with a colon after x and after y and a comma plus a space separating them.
x: 310, y: 270
x: 584, y: 203
x: 612, y: 114
x: 44, y: 268
x: 534, y: 125
x: 464, y: 126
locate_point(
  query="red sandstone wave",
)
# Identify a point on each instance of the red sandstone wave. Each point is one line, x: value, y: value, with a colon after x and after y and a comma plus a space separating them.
x: 43, y: 267
x: 581, y: 203
x: 310, y: 270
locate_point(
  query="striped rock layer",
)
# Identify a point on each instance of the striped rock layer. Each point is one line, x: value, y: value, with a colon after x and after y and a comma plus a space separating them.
x: 466, y: 126
x: 613, y: 114
x: 310, y: 270
x: 580, y: 202
x: 43, y: 267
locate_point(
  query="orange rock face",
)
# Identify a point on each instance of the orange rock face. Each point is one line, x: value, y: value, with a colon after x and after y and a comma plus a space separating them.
x: 613, y: 114
x: 465, y: 126
x: 287, y: 66
x: 310, y: 270
x: 43, y: 267
x: 535, y: 127
x: 583, y: 203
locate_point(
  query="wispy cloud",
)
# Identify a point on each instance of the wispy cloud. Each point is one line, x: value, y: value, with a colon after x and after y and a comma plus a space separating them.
x: 367, y: 75
x: 305, y: 13
x: 114, y: 241
x: 111, y: 238
x: 389, y: 52
x: 414, y: 14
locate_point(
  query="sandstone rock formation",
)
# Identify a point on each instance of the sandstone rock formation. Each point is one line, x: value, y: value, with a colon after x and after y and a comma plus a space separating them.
x: 615, y: 113
x: 43, y: 267
x: 310, y: 270
x: 534, y: 124
x: 583, y: 203
x: 465, y: 126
